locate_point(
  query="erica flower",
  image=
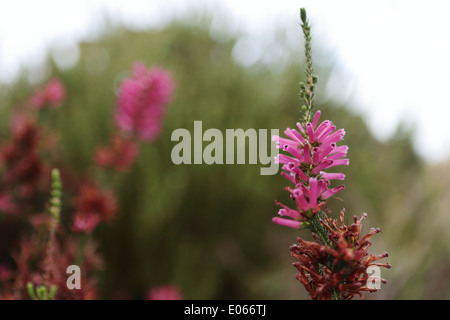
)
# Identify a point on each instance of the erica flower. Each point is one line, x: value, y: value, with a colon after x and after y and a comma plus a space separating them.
x: 335, y: 265
x: 312, y: 150
x: 119, y: 156
x: 52, y: 95
x: 339, y: 269
x: 23, y: 169
x: 142, y: 102
x: 92, y: 207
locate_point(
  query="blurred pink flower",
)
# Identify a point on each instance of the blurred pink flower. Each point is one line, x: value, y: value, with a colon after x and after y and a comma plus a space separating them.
x: 165, y: 292
x: 120, y: 156
x: 142, y: 100
x: 5, y: 272
x: 85, y: 222
x: 6, y: 204
x: 92, y: 207
x: 52, y: 95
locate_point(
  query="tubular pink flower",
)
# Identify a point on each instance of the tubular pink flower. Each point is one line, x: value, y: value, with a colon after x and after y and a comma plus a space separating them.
x: 282, y: 158
x: 296, y: 171
x: 337, y: 156
x: 300, y: 200
x: 334, y: 137
x: 310, y: 132
x: 333, y: 176
x: 331, y: 192
x: 341, y: 149
x: 287, y: 223
x: 313, y: 192
x: 294, y: 135
x: 328, y: 128
x: 300, y: 127
x: 142, y: 100
x: 339, y: 162
x: 321, y: 166
x: 316, y: 119
x: 289, y: 212
x: 288, y: 176
x: 306, y: 154
x: 316, y: 156
x: 281, y: 142
x: 295, y: 152
x: 328, y: 150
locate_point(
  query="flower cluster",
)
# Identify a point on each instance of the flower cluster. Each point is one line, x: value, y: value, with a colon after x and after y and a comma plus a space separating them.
x: 43, y: 256
x: 339, y: 270
x: 92, y: 207
x: 52, y: 95
x: 23, y: 171
x: 142, y: 101
x: 44, y: 249
x: 120, y: 155
x: 313, y: 149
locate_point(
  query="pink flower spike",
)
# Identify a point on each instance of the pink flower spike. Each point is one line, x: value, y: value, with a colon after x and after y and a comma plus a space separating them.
x: 142, y: 100
x: 316, y: 119
x: 287, y: 223
x: 331, y: 192
x: 333, y: 176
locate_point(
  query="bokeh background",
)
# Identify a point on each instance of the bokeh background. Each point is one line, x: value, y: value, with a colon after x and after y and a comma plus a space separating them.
x: 207, y: 228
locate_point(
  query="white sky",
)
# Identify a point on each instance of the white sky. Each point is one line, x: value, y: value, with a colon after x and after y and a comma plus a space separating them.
x: 396, y: 52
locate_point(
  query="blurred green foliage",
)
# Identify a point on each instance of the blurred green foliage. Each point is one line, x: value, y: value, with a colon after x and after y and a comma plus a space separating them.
x: 207, y: 228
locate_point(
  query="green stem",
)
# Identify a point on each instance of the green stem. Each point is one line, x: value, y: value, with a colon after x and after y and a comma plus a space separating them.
x: 318, y: 228
x: 307, y: 90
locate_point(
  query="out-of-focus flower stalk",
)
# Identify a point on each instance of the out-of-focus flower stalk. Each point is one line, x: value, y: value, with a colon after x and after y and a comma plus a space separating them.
x: 48, y: 290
